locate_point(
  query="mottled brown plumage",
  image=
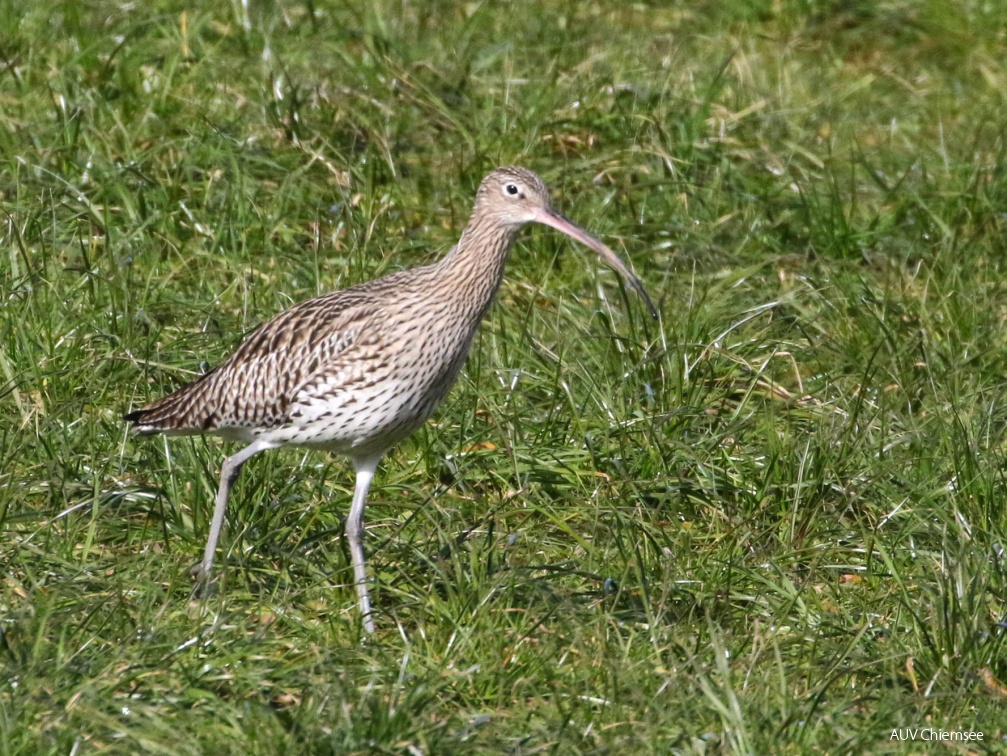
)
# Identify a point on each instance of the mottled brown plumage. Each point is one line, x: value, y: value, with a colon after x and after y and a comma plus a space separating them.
x: 358, y: 370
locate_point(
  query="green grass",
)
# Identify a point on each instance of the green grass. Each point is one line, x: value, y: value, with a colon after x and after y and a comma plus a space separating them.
x: 772, y: 521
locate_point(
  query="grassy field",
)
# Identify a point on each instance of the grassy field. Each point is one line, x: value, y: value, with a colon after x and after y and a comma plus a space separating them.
x: 771, y: 521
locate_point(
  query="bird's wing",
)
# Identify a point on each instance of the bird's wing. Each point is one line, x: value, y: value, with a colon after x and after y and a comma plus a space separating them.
x: 255, y: 386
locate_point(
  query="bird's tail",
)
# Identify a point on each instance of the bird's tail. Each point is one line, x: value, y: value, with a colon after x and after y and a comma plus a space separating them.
x: 181, y: 412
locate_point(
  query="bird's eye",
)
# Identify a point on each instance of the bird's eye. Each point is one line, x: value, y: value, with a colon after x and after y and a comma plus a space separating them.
x: 511, y: 189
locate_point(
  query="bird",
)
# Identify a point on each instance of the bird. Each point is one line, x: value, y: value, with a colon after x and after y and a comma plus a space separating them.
x: 357, y: 370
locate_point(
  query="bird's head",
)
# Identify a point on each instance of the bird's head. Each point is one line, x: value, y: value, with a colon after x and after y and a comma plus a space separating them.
x: 513, y: 197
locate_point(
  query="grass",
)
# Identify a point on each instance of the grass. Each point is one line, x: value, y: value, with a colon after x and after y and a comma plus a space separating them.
x: 772, y: 521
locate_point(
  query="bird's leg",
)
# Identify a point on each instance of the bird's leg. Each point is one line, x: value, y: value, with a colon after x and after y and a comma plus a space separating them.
x: 229, y: 472
x: 355, y: 533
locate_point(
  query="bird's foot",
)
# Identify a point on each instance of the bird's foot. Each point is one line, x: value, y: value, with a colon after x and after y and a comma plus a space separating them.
x: 204, y: 585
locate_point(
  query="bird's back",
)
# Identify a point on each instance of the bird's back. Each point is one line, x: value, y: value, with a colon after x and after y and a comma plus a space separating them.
x: 354, y: 369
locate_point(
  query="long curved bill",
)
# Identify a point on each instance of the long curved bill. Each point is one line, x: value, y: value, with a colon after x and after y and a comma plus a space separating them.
x: 555, y: 219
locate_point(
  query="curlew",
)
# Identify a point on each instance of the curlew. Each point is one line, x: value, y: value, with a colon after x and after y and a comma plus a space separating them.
x: 356, y: 371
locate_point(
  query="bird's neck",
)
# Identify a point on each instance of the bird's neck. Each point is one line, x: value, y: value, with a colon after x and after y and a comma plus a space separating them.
x: 474, y: 268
